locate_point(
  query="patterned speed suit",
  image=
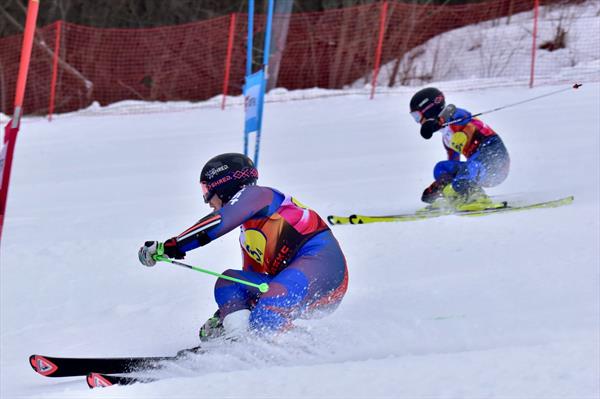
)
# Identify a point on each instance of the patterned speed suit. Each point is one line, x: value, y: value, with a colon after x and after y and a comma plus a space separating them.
x: 487, y: 162
x: 283, y: 244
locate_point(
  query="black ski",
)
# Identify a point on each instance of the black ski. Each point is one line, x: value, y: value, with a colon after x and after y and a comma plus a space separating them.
x: 99, y: 380
x: 68, y: 366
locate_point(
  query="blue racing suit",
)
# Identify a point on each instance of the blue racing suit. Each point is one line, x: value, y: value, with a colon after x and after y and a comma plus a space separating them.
x: 284, y: 244
x: 487, y: 162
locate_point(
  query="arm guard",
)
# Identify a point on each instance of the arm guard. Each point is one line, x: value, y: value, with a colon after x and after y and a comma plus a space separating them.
x: 197, y: 235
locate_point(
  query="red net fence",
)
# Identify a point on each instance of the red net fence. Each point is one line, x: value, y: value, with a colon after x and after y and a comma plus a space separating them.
x: 331, y: 49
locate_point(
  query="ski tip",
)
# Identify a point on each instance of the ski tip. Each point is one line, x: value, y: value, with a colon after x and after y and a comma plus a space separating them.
x: 97, y: 380
x: 42, y: 365
x: 333, y: 220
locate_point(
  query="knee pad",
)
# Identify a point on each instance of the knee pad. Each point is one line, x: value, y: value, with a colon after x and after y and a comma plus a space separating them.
x: 442, y: 168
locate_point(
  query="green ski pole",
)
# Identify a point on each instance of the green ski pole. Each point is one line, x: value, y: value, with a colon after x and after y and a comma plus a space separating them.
x: 264, y: 287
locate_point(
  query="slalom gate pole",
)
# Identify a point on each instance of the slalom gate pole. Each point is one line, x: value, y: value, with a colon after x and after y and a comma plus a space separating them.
x: 250, y: 39
x: 574, y: 86
x: 249, y: 48
x: 264, y: 287
x: 7, y: 146
x: 265, y: 67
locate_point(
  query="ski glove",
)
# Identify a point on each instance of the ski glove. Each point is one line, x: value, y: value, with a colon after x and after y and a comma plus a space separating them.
x: 148, y: 251
x: 429, y: 127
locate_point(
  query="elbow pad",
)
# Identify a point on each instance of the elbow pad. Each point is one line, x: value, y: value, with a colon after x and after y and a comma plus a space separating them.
x: 447, y: 113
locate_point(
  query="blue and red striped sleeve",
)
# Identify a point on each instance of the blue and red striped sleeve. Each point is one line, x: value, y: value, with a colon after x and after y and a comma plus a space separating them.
x: 251, y: 201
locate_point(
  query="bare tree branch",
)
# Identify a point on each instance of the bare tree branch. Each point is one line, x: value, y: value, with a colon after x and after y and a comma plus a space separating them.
x: 38, y: 41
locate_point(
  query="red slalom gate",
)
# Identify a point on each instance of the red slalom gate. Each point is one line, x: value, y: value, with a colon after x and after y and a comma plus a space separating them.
x: 12, y: 128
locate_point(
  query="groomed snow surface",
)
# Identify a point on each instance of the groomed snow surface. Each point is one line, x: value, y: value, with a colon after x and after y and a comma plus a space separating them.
x: 502, y: 306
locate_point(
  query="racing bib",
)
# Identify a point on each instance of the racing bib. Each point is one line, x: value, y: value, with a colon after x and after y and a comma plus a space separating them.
x: 254, y: 243
x: 458, y: 141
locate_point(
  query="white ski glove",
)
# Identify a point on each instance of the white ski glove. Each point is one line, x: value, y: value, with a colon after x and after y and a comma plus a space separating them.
x: 148, y: 251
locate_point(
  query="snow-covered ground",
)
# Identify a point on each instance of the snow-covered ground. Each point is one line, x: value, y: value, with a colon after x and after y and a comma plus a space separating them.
x: 503, y: 306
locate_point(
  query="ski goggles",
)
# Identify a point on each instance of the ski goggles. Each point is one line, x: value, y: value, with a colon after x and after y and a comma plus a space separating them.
x: 206, y: 193
x: 417, y: 116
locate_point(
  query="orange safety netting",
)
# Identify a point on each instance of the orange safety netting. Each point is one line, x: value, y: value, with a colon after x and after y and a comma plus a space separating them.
x: 330, y: 49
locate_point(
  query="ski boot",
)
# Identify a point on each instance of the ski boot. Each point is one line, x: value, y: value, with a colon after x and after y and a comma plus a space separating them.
x: 475, y: 199
x: 440, y: 205
x: 213, y: 328
x: 433, y: 195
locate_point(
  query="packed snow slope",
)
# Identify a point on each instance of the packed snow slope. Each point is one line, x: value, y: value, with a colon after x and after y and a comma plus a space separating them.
x: 501, y: 306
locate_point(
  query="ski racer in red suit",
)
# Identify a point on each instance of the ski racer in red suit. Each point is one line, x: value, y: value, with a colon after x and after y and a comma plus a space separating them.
x: 284, y: 244
x: 487, y: 162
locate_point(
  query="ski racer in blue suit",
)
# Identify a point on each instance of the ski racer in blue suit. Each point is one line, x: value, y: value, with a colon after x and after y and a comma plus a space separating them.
x: 487, y: 162
x: 284, y: 244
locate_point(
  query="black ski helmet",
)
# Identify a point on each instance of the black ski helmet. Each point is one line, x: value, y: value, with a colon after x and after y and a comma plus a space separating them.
x: 225, y: 175
x: 427, y: 103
